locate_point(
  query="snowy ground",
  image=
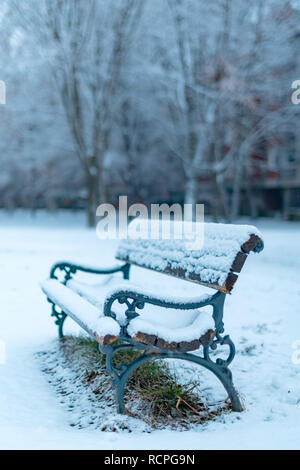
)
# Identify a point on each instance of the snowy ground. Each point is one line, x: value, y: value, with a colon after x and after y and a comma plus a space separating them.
x: 262, y: 317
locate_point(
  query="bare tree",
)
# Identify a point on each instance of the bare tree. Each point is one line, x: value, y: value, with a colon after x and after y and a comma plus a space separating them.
x: 226, y: 81
x: 180, y: 110
x: 86, y: 43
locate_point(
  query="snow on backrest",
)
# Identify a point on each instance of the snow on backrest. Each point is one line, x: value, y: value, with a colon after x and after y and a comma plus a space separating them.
x: 222, y: 255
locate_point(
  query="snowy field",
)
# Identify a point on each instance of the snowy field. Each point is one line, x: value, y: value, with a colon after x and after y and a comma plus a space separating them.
x: 262, y: 317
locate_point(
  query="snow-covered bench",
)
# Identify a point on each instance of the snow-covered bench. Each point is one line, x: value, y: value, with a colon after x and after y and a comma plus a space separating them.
x: 121, y: 315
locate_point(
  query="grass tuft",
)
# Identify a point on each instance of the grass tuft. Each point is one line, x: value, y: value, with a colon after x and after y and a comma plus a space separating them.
x: 154, y: 392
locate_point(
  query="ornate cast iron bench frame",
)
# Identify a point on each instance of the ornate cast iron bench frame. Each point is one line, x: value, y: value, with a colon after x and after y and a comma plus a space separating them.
x: 134, y: 301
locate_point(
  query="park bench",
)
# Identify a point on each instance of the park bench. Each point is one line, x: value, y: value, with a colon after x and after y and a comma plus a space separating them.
x: 120, y: 315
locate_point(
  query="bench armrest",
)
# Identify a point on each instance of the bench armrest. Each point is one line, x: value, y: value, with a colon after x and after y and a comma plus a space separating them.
x: 69, y: 268
x: 136, y: 298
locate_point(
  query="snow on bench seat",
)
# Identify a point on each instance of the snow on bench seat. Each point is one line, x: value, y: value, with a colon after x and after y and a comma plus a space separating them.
x: 215, y: 265
x: 104, y: 329
x: 96, y: 293
x: 182, y: 330
x: 166, y: 328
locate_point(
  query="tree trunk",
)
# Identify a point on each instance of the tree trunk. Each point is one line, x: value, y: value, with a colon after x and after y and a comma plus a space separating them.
x: 101, y: 181
x: 253, y: 209
x: 103, y: 193
x: 221, y: 207
x: 236, y: 194
x: 92, y: 199
x: 191, y: 188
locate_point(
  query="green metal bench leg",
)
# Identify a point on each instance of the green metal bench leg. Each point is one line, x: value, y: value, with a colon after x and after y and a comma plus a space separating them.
x: 60, y: 319
x: 122, y: 374
x: 224, y: 376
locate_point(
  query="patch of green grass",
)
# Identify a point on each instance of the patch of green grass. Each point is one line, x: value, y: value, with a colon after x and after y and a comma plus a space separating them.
x: 153, y: 391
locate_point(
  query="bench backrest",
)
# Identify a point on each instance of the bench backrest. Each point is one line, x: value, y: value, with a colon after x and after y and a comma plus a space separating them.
x: 217, y: 264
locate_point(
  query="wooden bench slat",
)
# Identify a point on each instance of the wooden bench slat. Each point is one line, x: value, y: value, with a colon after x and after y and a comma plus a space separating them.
x: 183, y: 346
x: 215, y: 265
x: 238, y: 262
x: 251, y: 244
x: 193, y: 277
x: 229, y: 283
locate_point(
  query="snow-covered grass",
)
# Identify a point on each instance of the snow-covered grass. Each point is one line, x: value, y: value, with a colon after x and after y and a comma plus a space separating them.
x: 262, y: 317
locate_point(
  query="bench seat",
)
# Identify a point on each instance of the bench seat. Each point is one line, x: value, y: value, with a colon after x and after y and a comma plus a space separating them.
x: 104, y: 329
x: 183, y: 330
